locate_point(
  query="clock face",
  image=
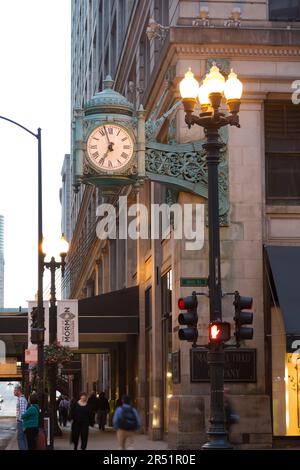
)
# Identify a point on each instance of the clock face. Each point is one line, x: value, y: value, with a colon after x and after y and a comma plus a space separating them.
x: 110, y: 147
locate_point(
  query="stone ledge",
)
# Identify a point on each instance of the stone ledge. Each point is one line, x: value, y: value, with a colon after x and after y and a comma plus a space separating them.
x: 253, y: 36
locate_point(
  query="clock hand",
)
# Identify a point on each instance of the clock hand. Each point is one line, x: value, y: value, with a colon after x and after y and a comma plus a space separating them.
x: 106, y: 153
x: 109, y: 149
x: 109, y: 142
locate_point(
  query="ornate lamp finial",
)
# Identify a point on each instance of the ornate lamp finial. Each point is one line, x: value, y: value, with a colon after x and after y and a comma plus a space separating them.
x: 108, y: 83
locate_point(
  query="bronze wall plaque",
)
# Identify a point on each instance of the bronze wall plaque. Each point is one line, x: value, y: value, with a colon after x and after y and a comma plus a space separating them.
x: 240, y: 365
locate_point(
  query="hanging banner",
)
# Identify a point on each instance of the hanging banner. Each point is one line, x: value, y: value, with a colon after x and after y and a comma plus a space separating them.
x: 31, y: 355
x: 67, y: 323
x: 32, y: 305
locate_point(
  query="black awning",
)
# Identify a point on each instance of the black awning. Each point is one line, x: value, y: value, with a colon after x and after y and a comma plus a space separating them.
x: 114, y: 312
x: 285, y: 265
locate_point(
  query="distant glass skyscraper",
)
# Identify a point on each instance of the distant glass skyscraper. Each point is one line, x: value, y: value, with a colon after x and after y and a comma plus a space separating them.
x: 1, y: 261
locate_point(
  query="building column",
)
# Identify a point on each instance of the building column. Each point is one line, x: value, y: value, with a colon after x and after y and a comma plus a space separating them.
x: 98, y: 274
x: 141, y: 391
x: 156, y: 403
x: 122, y: 365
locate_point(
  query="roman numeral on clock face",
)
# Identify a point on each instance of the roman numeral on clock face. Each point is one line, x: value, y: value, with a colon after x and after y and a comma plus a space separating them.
x: 93, y: 147
x: 110, y: 130
x: 95, y: 155
x: 124, y: 155
x: 110, y: 165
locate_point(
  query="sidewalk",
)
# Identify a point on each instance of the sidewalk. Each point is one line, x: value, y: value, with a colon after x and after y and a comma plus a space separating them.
x: 7, y: 431
x: 99, y: 440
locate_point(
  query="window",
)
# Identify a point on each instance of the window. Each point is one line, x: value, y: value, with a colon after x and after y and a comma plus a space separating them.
x: 106, y: 63
x: 287, y: 10
x: 121, y: 23
x: 112, y: 264
x: 144, y: 60
x: 166, y: 311
x: 161, y: 12
x: 148, y: 308
x: 113, y: 43
x: 282, y: 122
x: 161, y: 15
x: 148, y: 353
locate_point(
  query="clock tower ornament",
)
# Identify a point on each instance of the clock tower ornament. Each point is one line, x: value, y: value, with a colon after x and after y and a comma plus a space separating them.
x: 112, y: 147
x: 108, y: 142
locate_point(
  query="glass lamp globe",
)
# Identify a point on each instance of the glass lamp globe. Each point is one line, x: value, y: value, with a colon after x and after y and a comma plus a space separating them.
x: 203, y: 94
x: 233, y: 87
x: 215, y: 81
x: 189, y: 87
x: 46, y: 247
x: 63, y: 246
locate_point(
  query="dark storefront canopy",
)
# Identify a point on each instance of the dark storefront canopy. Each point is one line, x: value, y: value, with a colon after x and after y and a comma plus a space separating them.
x: 285, y: 266
x: 112, y: 313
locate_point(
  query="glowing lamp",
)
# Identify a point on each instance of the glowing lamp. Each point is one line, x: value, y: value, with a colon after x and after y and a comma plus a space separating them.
x: 233, y: 87
x: 215, y: 81
x: 189, y: 87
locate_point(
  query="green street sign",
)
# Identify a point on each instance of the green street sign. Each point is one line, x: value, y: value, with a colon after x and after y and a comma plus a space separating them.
x: 193, y: 282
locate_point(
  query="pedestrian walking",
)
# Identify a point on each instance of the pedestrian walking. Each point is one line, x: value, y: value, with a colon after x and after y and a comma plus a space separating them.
x: 21, y: 407
x: 63, y: 411
x: 103, y: 410
x: 93, y: 404
x: 31, y: 421
x: 231, y: 416
x: 126, y: 421
x: 81, y: 417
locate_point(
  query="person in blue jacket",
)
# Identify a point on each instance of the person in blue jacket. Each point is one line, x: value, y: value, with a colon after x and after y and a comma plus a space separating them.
x: 31, y: 422
x: 126, y: 421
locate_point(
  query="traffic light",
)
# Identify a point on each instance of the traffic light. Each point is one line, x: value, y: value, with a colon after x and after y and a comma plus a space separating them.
x: 219, y: 331
x: 37, y: 335
x: 242, y: 318
x: 189, y: 318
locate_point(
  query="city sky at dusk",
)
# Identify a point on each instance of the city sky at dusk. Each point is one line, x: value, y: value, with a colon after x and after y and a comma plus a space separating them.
x: 34, y: 91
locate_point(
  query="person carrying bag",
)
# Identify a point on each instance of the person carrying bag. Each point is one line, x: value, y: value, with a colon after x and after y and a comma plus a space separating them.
x: 31, y: 422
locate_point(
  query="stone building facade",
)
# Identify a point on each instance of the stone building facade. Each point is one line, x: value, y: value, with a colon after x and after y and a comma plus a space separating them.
x: 147, y: 60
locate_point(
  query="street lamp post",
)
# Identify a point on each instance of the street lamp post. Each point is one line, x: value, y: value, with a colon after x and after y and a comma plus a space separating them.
x: 53, y: 265
x: 212, y: 119
x: 40, y: 368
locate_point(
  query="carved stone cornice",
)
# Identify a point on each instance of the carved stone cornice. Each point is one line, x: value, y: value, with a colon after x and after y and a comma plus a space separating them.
x: 236, y: 37
x: 228, y: 51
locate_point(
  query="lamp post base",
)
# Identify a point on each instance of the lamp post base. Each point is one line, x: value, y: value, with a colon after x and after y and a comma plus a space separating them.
x: 217, y: 443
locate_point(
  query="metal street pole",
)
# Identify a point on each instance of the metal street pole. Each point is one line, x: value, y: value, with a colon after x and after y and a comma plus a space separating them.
x: 52, y: 338
x: 38, y: 136
x: 52, y: 368
x: 216, y: 359
x: 212, y: 119
x: 41, y: 319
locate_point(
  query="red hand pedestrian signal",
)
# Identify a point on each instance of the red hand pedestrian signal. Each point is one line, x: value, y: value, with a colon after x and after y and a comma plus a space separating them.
x: 214, y: 332
x: 219, y: 331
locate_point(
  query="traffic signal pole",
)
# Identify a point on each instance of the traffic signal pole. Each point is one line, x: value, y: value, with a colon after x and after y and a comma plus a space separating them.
x: 212, y: 119
x: 217, y: 433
